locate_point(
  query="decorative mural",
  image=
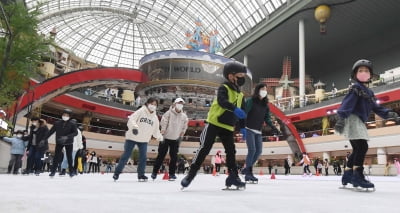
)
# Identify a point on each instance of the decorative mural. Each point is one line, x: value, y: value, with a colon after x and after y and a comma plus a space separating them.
x: 199, y: 40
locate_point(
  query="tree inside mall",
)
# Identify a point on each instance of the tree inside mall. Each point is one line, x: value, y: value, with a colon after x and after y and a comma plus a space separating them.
x: 21, y: 49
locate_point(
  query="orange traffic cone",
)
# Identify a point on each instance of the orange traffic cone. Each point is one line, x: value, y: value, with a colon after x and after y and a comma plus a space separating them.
x: 166, y: 176
x: 261, y: 172
x: 214, y: 172
x: 273, y: 176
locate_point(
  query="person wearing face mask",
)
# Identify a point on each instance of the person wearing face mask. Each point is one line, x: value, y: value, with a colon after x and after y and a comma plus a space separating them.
x: 142, y: 125
x: 257, y: 113
x: 224, y: 113
x: 352, y: 115
x: 173, y: 123
x: 17, y: 151
x: 65, y: 130
x: 37, y: 145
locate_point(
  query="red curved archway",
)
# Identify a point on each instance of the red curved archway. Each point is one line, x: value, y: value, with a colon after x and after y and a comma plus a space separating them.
x: 51, y: 88
x: 294, y: 140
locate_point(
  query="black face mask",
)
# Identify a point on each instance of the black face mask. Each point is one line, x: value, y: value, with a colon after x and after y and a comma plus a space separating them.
x: 240, y: 81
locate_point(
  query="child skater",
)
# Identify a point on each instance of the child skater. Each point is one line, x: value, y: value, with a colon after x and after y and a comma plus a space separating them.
x: 353, y: 113
x: 221, y: 120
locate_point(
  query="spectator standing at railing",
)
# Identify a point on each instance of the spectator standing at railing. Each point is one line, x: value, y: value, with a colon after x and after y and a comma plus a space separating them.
x: 353, y: 113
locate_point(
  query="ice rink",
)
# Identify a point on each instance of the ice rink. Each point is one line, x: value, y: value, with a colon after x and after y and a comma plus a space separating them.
x: 97, y: 193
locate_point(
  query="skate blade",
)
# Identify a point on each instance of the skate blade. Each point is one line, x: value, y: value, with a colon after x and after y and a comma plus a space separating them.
x: 234, y: 188
x: 346, y: 187
x: 360, y: 189
x: 251, y: 182
x: 142, y: 180
x: 171, y: 179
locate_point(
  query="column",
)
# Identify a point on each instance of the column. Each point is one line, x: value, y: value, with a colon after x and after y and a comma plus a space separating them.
x: 326, y: 155
x: 381, y: 155
x: 86, y: 121
x: 302, y: 63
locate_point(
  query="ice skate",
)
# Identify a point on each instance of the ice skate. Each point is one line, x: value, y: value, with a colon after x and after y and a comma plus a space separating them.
x: 142, y: 178
x: 249, y: 177
x: 153, y: 176
x: 115, y: 177
x: 172, y: 177
x: 51, y: 175
x: 188, y: 178
x: 72, y: 174
x: 346, y: 178
x: 360, y: 183
x: 62, y: 173
x: 233, y: 179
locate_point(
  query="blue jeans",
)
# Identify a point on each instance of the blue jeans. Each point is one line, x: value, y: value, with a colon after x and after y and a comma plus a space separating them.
x: 254, y: 147
x: 64, y: 163
x: 128, y: 147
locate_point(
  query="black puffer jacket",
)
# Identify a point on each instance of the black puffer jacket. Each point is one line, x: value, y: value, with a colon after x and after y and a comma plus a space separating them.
x: 41, y: 139
x: 64, y: 128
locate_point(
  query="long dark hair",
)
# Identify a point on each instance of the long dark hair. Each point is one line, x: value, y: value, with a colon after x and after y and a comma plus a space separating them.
x: 151, y: 100
x: 256, y: 96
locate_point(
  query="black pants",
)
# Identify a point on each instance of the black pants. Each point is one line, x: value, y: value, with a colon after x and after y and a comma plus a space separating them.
x: 207, y: 138
x: 360, y: 148
x: 287, y: 170
x: 173, y: 146
x: 15, y: 162
x: 217, y: 167
x: 58, y: 156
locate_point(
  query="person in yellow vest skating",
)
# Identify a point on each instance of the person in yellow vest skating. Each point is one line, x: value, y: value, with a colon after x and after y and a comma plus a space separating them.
x: 224, y: 113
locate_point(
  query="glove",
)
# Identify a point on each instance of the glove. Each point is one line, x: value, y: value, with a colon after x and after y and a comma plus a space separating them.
x: 239, y: 113
x: 243, y: 132
x: 135, y: 131
x: 394, y: 116
x: 339, y: 126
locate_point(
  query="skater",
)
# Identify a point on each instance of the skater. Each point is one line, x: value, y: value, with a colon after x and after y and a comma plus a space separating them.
x: 306, y: 164
x: 352, y: 115
x: 257, y: 113
x: 174, y: 124
x: 218, y: 161
x: 37, y: 145
x: 287, y: 165
x: 77, y: 145
x: 326, y: 166
x: 65, y: 130
x: 142, y: 125
x: 397, y: 165
x: 221, y: 120
x: 17, y: 151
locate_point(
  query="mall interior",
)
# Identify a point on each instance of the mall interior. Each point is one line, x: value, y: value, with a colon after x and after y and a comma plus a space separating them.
x: 105, y: 58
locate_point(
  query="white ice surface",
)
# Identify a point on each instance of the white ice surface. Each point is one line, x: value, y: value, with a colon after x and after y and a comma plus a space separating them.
x: 97, y: 193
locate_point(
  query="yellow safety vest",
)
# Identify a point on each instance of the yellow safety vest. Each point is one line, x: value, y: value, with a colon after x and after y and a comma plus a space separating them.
x: 222, y: 117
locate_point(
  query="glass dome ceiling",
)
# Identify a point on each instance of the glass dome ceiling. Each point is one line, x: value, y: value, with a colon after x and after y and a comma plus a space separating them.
x: 121, y: 32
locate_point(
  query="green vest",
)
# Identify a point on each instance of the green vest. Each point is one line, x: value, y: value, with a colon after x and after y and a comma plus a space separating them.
x: 222, y: 117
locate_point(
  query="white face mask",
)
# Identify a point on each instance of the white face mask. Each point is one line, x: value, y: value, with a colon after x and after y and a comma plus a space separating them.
x: 263, y: 93
x: 19, y: 136
x: 152, y: 107
x: 179, y: 106
x: 35, y: 123
x: 65, y: 118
